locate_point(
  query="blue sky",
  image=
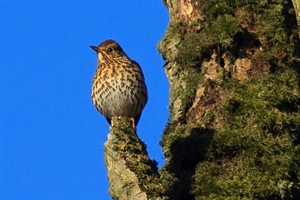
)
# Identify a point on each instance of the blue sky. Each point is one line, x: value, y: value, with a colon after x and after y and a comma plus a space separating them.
x: 52, y: 137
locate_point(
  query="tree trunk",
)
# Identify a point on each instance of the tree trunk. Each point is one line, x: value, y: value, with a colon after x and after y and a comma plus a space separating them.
x: 296, y: 4
x: 234, y: 127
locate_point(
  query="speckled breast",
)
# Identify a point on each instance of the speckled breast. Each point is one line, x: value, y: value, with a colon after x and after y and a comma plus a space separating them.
x: 120, y: 92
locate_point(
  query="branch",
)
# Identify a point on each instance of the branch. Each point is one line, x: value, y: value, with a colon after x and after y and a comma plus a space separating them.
x: 131, y: 173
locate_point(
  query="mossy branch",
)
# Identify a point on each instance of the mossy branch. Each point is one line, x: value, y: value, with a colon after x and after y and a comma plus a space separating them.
x: 131, y: 173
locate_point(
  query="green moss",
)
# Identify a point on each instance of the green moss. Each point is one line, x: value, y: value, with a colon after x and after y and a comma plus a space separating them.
x: 271, y: 23
x: 257, y: 156
x: 274, y: 26
x: 129, y: 147
x: 185, y: 92
x: 272, y: 32
x: 223, y: 29
x: 190, y: 50
x: 173, y: 34
x: 191, y: 81
x: 267, y: 102
x: 195, y: 47
x: 257, y: 175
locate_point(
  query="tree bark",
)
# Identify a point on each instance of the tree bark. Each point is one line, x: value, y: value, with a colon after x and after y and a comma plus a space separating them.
x: 296, y: 4
x: 234, y: 128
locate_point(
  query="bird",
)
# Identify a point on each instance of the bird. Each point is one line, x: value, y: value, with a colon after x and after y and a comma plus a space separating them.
x: 119, y: 88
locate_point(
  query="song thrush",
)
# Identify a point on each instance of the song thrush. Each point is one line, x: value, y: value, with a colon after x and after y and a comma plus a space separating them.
x: 119, y: 87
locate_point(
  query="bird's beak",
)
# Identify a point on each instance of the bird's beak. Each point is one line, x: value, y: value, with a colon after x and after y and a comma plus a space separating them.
x: 95, y: 48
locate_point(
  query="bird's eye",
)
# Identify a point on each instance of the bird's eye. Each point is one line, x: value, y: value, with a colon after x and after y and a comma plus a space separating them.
x: 110, y: 49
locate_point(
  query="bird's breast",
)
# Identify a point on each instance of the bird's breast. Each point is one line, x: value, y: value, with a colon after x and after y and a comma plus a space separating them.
x: 119, y: 93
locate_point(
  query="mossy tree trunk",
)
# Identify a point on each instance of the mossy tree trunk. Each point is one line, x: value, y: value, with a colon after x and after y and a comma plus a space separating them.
x: 234, y: 127
x: 131, y: 173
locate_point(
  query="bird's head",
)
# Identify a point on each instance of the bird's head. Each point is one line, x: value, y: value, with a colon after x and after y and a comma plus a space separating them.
x: 108, y: 50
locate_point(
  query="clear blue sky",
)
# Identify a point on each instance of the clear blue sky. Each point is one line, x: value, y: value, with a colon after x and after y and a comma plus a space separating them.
x: 52, y: 137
